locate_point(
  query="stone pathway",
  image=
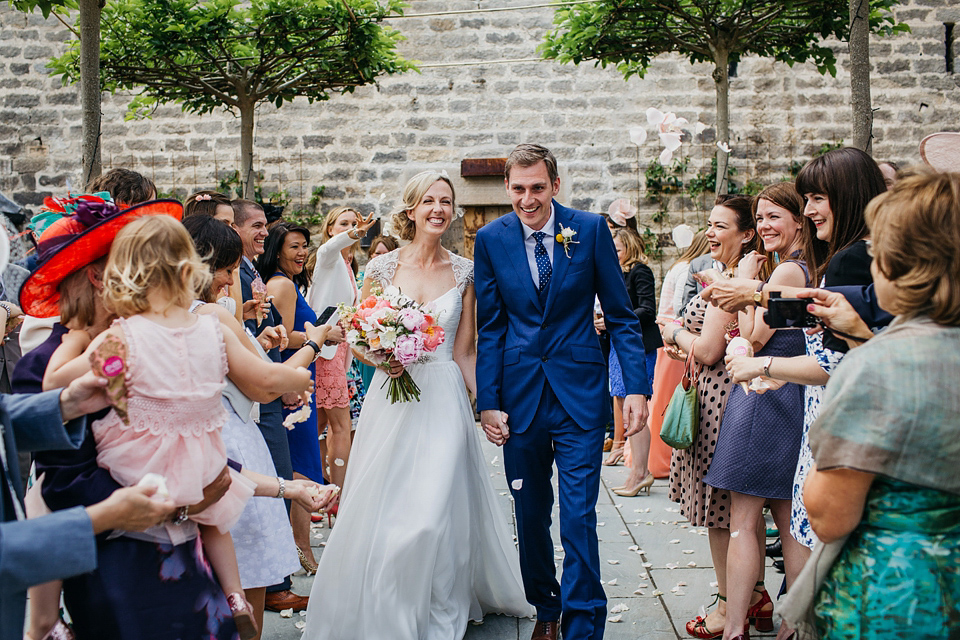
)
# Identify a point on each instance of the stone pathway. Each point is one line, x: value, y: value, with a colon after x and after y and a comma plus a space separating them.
x: 651, y: 561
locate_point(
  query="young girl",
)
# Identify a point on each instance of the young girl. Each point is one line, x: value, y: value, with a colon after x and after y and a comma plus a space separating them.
x: 174, y: 367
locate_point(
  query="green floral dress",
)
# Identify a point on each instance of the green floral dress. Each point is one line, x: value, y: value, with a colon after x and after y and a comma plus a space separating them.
x: 898, y: 575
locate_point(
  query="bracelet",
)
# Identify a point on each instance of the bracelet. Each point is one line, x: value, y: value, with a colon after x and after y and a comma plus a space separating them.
x: 673, y: 338
x: 283, y: 487
x: 313, y: 345
x: 181, y: 516
x: 766, y: 366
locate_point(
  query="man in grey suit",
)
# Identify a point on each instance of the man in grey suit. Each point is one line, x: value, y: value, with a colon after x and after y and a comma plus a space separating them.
x: 61, y: 544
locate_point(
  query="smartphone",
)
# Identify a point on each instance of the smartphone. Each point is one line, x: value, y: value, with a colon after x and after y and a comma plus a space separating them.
x: 325, y: 315
x: 789, y: 313
x: 331, y: 317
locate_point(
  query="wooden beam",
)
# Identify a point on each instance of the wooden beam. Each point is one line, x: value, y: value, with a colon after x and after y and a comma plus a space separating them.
x: 482, y: 167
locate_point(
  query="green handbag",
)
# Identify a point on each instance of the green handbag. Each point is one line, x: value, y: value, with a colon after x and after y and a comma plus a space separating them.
x: 681, y: 420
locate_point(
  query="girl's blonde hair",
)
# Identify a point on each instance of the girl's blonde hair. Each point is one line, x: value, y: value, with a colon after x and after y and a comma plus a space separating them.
x: 632, y: 248
x: 413, y: 192
x: 149, y: 254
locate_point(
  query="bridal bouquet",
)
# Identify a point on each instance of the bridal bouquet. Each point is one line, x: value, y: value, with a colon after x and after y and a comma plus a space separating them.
x: 387, y: 326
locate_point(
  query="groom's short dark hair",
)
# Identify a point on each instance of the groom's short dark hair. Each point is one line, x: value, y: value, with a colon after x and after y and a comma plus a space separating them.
x: 527, y: 155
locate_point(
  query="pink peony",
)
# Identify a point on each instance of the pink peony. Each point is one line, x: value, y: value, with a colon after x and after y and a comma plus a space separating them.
x: 411, y: 319
x: 409, y: 349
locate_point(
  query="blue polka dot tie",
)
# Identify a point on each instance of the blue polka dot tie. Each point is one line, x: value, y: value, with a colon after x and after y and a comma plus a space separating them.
x: 544, y: 268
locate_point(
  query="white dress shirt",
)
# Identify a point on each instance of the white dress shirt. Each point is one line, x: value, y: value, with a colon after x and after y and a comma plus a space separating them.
x: 530, y: 244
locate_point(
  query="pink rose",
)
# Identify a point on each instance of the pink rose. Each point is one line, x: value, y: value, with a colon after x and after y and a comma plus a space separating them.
x: 409, y: 349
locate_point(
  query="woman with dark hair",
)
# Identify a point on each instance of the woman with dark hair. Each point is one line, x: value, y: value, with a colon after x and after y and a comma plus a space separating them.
x: 284, y: 255
x: 211, y: 204
x: 836, y: 188
x: 262, y: 536
x: 702, y: 332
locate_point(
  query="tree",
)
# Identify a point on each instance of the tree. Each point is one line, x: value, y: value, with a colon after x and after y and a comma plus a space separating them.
x: 631, y: 33
x: 89, y: 72
x: 233, y: 54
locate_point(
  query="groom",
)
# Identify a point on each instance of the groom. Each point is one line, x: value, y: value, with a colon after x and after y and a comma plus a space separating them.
x: 540, y: 371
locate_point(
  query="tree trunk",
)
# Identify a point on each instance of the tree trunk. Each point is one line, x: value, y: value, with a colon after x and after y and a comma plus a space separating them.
x: 721, y: 60
x: 860, y: 75
x: 246, y: 148
x: 90, y: 88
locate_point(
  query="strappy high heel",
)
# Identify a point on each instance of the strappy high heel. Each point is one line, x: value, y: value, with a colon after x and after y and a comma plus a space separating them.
x: 760, y: 617
x: 698, y: 626
x: 616, y: 455
x: 309, y: 567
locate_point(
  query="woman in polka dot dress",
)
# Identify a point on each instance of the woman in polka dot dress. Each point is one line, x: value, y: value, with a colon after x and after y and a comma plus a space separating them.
x: 704, y: 328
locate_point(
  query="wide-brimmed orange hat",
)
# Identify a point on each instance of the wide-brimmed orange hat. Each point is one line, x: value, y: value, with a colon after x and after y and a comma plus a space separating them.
x: 73, y: 242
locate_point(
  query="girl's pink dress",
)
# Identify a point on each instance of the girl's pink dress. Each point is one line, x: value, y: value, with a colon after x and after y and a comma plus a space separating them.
x: 175, y: 377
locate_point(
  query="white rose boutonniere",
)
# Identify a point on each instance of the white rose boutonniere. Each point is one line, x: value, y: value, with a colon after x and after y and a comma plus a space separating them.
x: 565, y: 237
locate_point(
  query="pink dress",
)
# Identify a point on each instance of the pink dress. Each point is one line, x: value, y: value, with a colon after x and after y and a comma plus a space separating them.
x: 332, y: 374
x: 175, y: 377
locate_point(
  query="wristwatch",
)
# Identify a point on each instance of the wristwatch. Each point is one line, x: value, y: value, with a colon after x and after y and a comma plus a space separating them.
x: 313, y: 345
x: 758, y: 294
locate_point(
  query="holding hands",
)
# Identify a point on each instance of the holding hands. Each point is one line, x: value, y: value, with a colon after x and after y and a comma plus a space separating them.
x: 495, y: 427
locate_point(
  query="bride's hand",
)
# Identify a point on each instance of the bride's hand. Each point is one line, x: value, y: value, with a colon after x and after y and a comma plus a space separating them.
x: 393, y: 368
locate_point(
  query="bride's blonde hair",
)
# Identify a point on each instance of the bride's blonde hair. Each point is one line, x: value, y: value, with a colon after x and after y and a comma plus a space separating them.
x: 153, y: 252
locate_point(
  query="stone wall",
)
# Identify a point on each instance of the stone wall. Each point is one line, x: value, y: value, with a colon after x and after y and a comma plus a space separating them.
x: 357, y: 146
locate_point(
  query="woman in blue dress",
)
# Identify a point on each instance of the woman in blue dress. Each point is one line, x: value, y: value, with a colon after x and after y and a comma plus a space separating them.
x: 284, y: 253
x: 885, y: 484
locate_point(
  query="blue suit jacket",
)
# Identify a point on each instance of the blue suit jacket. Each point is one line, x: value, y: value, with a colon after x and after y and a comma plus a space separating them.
x: 55, y: 546
x: 523, y: 343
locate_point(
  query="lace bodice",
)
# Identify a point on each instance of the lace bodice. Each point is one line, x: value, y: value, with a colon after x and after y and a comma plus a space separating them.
x: 447, y: 307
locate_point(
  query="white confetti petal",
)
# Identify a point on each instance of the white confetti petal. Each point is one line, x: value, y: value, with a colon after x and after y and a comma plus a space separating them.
x: 671, y: 565
x: 612, y: 582
x: 657, y: 592
x: 286, y: 613
x: 642, y: 585
x: 675, y: 541
x: 601, y: 524
x: 633, y: 548
x: 624, y: 533
x: 691, y: 564
x: 681, y: 584
x: 339, y: 462
x: 639, y: 592
x: 670, y: 140
x: 616, y: 618
x: 638, y: 135
x: 517, y: 484
x: 654, y: 116
x: 723, y: 146
x: 714, y: 584
x: 300, y: 624
x: 620, y: 608
x: 688, y: 551
x: 613, y: 562
x: 665, y: 157
x: 647, y: 564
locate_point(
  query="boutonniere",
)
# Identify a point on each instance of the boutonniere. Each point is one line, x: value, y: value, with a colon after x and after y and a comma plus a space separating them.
x: 565, y: 237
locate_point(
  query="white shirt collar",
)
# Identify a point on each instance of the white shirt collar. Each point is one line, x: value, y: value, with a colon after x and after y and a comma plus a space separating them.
x: 547, y: 228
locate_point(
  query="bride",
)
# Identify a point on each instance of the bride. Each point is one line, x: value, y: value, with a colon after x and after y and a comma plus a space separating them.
x: 420, y: 546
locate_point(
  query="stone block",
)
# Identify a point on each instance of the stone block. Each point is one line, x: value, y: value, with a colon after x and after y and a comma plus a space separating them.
x: 314, y: 142
x: 21, y: 101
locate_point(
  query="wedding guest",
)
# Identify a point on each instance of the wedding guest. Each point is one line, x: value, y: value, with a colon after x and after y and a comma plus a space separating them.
x: 266, y: 552
x: 759, y: 439
x: 125, y: 186
x: 885, y: 485
x: 334, y: 281
x: 285, y: 252
x: 702, y: 332
x: 251, y: 223
x: 890, y: 171
x: 641, y: 287
x: 208, y: 203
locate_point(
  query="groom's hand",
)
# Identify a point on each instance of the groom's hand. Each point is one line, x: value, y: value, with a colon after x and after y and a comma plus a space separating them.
x: 494, y: 425
x: 635, y: 413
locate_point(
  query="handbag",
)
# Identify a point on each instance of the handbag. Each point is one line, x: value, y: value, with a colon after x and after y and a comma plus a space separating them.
x: 681, y: 420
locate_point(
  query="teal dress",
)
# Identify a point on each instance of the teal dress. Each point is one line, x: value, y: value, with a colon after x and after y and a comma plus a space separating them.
x: 892, y: 408
x: 899, y: 572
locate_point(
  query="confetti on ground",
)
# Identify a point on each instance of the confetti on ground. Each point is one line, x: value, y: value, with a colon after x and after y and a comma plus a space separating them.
x: 616, y: 618
x: 620, y: 608
x: 639, y: 592
x: 688, y: 551
x: 714, y: 584
x: 691, y: 564
x: 675, y: 541
x: 612, y: 562
x: 633, y: 547
x: 648, y: 564
x: 601, y: 524
x: 624, y: 533
x: 642, y: 585
x: 671, y: 565
x: 612, y: 582
x: 300, y: 624
x: 286, y: 613
x: 657, y: 592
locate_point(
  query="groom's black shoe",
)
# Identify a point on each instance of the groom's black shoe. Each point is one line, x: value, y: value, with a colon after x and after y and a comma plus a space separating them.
x: 546, y: 630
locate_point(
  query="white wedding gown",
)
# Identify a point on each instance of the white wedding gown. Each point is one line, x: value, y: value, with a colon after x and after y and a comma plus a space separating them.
x: 420, y: 546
